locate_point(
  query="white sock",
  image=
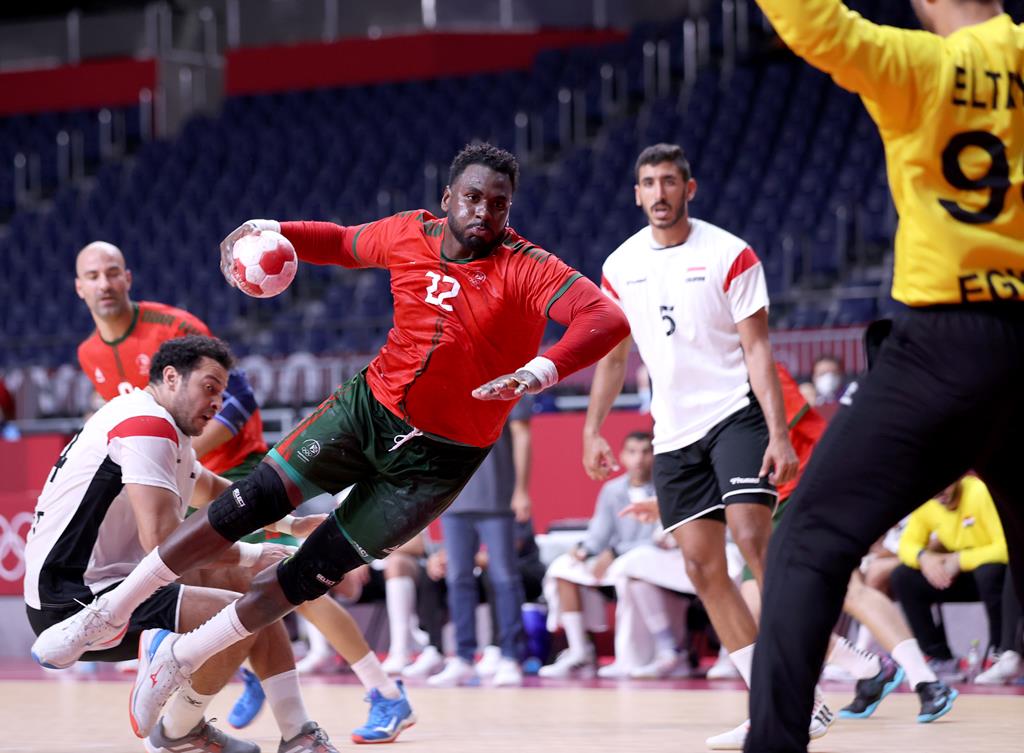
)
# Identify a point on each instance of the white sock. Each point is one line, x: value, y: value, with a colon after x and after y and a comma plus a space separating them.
x: 373, y: 676
x: 142, y: 582
x: 213, y: 636
x: 400, y: 593
x: 184, y: 712
x: 908, y: 655
x: 861, y: 664
x: 743, y: 659
x: 286, y: 702
x: 574, y: 632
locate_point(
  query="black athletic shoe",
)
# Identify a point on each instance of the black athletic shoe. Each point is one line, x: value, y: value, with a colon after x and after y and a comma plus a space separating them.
x: 936, y: 700
x: 871, y: 691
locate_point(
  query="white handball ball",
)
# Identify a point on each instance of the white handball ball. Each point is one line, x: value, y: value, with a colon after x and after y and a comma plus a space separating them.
x: 264, y: 264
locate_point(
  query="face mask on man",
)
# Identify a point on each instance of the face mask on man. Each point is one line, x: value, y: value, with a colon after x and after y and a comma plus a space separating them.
x: 827, y: 384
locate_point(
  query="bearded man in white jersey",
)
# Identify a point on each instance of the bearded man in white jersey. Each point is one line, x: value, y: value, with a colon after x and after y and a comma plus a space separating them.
x: 697, y: 304
x: 119, y: 487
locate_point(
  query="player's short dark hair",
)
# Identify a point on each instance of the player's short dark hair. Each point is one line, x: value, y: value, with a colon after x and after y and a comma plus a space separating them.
x: 640, y: 436
x: 659, y: 153
x: 487, y: 155
x: 185, y: 353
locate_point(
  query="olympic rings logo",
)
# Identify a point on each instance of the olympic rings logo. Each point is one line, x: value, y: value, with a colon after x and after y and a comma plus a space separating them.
x: 12, y: 546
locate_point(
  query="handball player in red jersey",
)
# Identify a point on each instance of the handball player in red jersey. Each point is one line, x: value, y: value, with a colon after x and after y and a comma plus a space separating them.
x: 471, y: 301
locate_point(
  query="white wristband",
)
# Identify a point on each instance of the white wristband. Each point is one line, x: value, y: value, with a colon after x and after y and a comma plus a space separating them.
x: 544, y: 369
x: 284, y: 525
x: 249, y: 554
x: 267, y: 225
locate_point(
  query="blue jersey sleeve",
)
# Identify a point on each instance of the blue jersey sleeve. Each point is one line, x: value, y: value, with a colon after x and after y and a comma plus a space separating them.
x: 239, y: 402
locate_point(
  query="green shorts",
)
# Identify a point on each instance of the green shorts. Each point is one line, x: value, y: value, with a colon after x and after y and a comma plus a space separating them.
x: 237, y: 473
x: 776, y: 519
x: 400, y: 486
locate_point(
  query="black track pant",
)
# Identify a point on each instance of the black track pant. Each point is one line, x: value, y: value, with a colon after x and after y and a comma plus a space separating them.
x: 946, y: 396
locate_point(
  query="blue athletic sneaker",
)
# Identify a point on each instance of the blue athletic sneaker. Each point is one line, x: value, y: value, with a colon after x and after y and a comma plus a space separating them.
x: 936, y: 700
x: 387, y: 718
x: 871, y: 691
x: 250, y: 703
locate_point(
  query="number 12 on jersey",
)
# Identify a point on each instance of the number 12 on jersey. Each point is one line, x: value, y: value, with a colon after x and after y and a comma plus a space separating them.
x: 438, y: 299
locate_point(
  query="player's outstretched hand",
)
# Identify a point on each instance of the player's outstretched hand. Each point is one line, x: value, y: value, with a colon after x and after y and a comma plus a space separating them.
x: 644, y: 510
x: 305, y: 525
x: 227, y: 261
x: 780, y: 463
x: 271, y: 555
x: 508, y: 387
x: 598, y: 459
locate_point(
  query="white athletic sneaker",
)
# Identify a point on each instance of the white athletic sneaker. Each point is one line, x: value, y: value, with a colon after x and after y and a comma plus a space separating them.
x: 836, y: 673
x: 488, y: 663
x: 723, y: 669
x: 821, y: 719
x: 508, y: 673
x: 90, y: 629
x: 734, y: 739
x: 315, y: 662
x: 203, y: 738
x: 731, y: 740
x: 1006, y: 668
x: 613, y: 671
x: 158, y: 677
x: 427, y: 663
x: 393, y: 664
x: 570, y: 664
x: 456, y: 672
x: 665, y: 664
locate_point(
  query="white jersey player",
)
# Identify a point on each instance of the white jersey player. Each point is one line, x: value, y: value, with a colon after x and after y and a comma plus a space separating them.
x: 697, y: 305
x: 119, y: 487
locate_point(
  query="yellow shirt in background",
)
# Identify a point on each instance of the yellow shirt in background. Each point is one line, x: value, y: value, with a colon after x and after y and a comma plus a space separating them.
x: 973, y: 529
x: 951, y: 115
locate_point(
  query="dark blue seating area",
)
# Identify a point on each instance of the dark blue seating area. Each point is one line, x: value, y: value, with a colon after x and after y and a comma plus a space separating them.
x: 783, y: 158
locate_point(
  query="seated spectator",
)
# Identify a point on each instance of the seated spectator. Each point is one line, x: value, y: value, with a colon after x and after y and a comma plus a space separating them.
x: 1006, y: 659
x: 621, y: 552
x: 952, y: 550
x: 829, y: 380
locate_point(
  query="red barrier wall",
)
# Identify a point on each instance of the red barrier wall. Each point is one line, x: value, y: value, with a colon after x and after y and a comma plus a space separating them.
x: 24, y: 466
x: 105, y: 83
x: 559, y: 487
x: 357, y: 61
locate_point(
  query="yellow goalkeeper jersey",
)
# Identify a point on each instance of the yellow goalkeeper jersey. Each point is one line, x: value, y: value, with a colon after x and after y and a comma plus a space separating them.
x: 951, y: 114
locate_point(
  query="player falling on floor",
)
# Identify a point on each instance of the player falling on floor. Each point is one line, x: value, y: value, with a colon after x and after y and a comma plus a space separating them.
x: 118, y: 488
x: 116, y: 358
x: 472, y: 299
x: 943, y: 395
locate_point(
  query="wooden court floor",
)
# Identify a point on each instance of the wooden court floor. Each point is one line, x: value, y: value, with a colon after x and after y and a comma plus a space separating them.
x: 80, y: 715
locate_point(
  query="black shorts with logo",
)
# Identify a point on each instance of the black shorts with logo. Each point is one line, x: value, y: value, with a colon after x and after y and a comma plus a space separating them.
x: 699, y: 480
x: 158, y: 611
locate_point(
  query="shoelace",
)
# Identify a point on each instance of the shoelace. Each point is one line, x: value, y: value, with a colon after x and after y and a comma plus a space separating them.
x: 401, y: 439
x: 379, y: 713
x: 210, y: 734
x: 98, y: 618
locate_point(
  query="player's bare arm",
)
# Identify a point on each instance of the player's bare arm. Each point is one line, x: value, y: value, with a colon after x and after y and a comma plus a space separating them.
x: 156, y: 513
x: 780, y: 462
x: 214, y: 435
x: 598, y: 459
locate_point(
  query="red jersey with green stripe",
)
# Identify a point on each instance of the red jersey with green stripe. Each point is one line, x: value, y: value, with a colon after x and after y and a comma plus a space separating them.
x: 805, y: 426
x: 457, y: 324
x: 117, y: 367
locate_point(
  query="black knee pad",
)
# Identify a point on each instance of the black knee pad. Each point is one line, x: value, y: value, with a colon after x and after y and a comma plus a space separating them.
x: 246, y: 506
x: 319, y: 565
